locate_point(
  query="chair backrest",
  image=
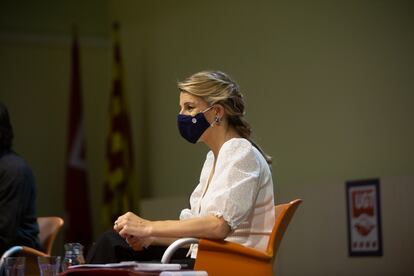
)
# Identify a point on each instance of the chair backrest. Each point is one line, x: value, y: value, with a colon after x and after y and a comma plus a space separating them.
x: 48, y: 229
x: 283, y: 214
x: 221, y: 258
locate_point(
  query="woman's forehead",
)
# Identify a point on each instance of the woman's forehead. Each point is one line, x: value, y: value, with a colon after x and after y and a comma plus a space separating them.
x: 186, y: 98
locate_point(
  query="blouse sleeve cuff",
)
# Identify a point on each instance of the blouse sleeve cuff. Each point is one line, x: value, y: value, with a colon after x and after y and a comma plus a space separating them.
x: 219, y: 214
x: 186, y: 214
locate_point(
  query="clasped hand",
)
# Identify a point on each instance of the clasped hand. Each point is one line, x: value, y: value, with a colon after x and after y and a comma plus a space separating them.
x: 135, y: 230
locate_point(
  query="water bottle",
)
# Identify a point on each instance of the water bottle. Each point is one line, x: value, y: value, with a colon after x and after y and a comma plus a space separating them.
x: 73, y: 255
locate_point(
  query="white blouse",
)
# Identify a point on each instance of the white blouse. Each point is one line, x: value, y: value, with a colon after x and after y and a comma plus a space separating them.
x: 240, y: 191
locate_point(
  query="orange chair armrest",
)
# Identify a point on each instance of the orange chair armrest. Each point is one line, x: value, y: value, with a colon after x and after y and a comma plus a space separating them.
x: 231, y: 247
x: 32, y: 252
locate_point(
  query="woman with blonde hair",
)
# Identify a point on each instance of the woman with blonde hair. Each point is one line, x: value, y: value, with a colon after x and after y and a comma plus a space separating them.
x: 234, y: 198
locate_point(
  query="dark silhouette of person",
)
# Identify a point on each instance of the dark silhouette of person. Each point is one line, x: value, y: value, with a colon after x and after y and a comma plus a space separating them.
x: 18, y: 220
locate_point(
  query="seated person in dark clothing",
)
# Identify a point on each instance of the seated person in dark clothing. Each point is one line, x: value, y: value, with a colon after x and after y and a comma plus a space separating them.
x: 18, y: 220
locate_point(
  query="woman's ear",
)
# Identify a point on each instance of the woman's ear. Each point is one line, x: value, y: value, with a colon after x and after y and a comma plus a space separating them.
x: 219, y: 111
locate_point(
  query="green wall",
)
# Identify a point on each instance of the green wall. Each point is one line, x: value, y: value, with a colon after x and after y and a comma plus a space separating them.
x: 35, y: 41
x: 327, y: 83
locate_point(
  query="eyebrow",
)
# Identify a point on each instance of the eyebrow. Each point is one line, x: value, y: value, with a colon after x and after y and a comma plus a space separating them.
x: 189, y: 103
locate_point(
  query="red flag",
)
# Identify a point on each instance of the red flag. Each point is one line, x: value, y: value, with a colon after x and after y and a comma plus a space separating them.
x: 78, y: 219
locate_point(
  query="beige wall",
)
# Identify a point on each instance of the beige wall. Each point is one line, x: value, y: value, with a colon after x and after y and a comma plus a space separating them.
x: 328, y: 87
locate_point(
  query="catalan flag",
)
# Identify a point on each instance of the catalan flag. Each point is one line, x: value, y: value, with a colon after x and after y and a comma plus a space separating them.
x: 118, y: 192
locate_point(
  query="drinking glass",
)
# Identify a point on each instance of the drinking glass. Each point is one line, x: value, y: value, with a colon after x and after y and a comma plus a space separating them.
x: 73, y: 255
x: 49, y: 266
x: 14, y: 266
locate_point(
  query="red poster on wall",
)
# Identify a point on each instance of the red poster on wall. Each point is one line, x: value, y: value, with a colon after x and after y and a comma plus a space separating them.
x: 364, y: 218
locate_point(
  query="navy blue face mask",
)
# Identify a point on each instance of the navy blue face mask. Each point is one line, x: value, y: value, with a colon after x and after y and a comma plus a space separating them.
x: 191, y: 128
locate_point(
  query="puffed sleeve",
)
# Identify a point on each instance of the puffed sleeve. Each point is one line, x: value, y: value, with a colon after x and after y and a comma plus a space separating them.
x: 235, y: 185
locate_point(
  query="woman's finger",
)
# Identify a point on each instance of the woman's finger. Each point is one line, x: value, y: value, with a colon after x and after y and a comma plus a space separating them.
x: 135, y: 243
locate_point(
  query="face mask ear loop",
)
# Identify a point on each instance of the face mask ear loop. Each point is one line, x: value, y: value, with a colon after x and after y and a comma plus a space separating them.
x: 207, y: 109
x: 216, y: 118
x: 216, y: 121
